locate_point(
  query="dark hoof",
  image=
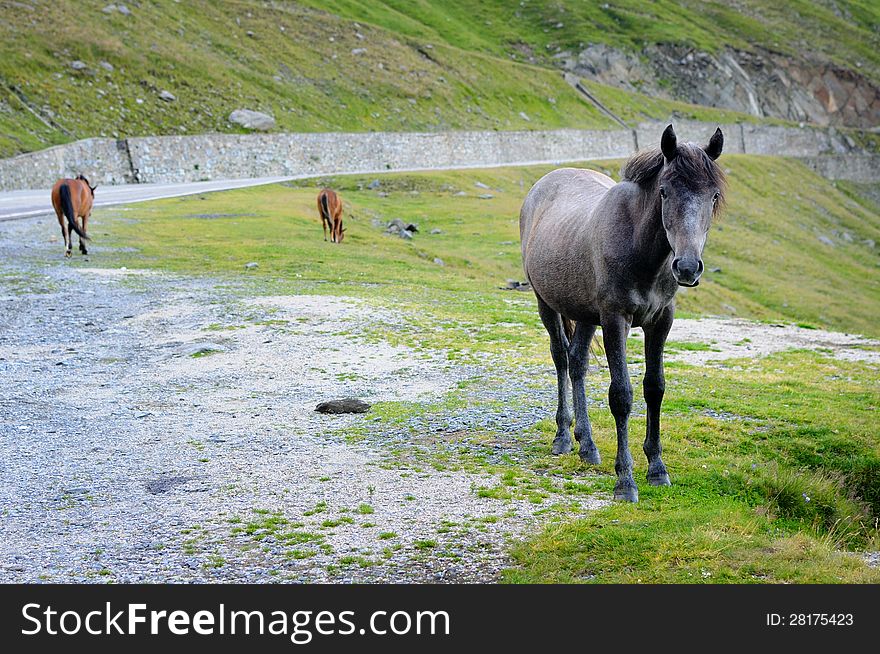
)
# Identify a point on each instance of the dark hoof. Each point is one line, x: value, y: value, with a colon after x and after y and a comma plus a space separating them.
x: 562, y: 445
x: 659, y: 480
x: 626, y: 493
x: 590, y: 455
x: 657, y: 474
x: 67, y: 254
x: 83, y: 252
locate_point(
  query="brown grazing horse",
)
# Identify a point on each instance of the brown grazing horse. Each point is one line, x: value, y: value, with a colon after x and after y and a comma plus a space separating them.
x: 330, y: 208
x: 72, y: 199
x: 613, y: 255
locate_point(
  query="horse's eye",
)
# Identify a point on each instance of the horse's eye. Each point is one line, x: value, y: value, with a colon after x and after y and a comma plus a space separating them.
x: 663, y: 192
x: 716, y: 196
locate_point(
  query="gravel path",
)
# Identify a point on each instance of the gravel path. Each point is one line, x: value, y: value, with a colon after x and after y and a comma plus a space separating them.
x: 162, y: 428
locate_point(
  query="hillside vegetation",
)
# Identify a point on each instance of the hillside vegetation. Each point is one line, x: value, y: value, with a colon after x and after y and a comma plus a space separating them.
x: 846, y: 32
x: 72, y: 70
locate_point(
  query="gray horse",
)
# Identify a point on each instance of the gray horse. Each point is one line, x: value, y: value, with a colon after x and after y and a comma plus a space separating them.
x: 613, y: 255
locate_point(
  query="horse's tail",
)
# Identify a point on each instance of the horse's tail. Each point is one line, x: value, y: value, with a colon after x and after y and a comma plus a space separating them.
x: 325, y: 213
x: 325, y: 206
x: 596, y: 348
x: 67, y: 209
x: 568, y: 325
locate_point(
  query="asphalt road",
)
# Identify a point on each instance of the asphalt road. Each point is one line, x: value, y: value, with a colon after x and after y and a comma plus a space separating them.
x: 21, y: 204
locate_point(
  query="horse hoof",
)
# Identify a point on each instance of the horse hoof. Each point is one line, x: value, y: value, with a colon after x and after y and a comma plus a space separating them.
x: 561, y: 445
x: 659, y: 480
x: 68, y: 254
x: 590, y: 456
x: 626, y: 493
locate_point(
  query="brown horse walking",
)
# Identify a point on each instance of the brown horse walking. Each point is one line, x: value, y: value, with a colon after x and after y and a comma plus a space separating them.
x: 72, y: 200
x: 613, y: 255
x: 330, y: 208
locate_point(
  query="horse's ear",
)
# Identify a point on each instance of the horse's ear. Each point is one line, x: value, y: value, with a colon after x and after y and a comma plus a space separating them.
x: 716, y: 144
x: 669, y: 143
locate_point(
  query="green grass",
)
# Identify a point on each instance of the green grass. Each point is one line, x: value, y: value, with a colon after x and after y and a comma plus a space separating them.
x: 674, y: 346
x: 772, y: 264
x: 775, y: 461
x: 425, y: 544
x: 772, y: 496
x: 427, y: 65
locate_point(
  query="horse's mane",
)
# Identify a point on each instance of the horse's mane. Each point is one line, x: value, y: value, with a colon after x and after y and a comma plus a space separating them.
x: 692, y: 166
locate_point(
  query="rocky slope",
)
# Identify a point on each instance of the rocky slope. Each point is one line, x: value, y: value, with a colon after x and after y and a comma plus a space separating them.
x: 760, y: 83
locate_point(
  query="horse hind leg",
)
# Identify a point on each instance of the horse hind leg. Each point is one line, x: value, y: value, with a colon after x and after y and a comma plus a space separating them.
x: 559, y: 351
x: 578, y: 360
x: 82, y: 244
x: 68, y: 238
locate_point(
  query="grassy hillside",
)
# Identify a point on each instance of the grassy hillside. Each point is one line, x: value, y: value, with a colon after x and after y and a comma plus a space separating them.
x: 351, y: 65
x: 303, y: 66
x: 775, y: 460
x: 843, y: 31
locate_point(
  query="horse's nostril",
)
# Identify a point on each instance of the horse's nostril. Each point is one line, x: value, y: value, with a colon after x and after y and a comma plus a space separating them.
x: 675, y: 265
x: 700, y: 267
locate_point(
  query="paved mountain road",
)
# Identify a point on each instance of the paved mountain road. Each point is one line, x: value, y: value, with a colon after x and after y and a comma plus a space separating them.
x: 23, y: 204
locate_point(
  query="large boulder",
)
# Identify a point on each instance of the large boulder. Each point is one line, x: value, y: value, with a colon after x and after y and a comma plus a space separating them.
x: 252, y: 120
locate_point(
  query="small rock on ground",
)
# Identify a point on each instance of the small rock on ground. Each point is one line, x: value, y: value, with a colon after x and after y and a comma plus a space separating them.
x: 344, y: 405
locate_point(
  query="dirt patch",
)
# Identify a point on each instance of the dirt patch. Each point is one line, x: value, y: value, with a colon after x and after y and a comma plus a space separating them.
x: 732, y: 339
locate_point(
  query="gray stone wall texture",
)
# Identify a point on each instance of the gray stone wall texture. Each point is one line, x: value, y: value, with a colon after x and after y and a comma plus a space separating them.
x: 648, y: 134
x: 101, y: 160
x: 172, y: 159
x: 863, y: 168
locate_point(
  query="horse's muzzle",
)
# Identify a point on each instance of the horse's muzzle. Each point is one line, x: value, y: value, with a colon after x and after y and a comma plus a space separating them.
x: 687, y: 271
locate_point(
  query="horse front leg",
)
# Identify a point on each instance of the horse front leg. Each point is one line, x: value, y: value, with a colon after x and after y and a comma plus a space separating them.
x: 615, y: 330
x: 559, y: 351
x: 654, y: 386
x: 578, y: 363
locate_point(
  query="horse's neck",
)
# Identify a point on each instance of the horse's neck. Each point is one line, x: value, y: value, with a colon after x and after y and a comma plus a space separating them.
x: 650, y: 242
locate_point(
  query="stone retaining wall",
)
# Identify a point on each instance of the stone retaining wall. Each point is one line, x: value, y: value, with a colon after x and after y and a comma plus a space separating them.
x: 172, y: 159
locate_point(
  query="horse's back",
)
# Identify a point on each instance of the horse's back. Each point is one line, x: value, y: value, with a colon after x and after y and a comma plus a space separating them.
x: 332, y: 199
x: 562, y: 195
x: 79, y: 193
